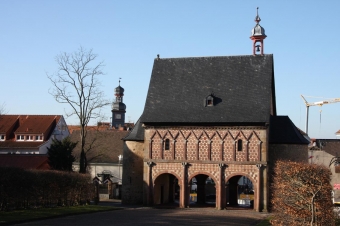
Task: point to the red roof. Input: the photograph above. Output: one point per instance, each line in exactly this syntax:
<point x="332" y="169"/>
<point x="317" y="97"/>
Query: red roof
<point x="7" y="122"/>
<point x="25" y="161"/>
<point x="36" y="124"/>
<point x="21" y="144"/>
<point x="12" y="125"/>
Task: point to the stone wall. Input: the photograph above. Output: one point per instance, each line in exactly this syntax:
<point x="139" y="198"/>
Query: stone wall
<point x="292" y="152"/>
<point x="132" y="188"/>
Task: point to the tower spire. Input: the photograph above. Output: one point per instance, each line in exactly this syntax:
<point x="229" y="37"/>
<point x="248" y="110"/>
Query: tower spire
<point x="257" y="18"/>
<point x="258" y="35"/>
<point x="118" y="108"/>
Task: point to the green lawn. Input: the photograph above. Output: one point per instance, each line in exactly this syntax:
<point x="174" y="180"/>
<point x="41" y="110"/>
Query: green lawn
<point x="33" y="214"/>
<point x="265" y="222"/>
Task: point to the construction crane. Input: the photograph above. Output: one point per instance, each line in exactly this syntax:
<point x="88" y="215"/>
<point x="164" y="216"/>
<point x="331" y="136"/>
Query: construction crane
<point x="318" y="103"/>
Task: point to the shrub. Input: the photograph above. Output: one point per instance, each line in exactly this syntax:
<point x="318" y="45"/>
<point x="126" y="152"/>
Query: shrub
<point x="301" y="194"/>
<point x="33" y="188"/>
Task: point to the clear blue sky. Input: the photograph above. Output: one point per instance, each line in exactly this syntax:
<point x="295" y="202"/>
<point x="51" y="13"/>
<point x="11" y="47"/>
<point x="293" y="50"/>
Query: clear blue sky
<point x="127" y="35"/>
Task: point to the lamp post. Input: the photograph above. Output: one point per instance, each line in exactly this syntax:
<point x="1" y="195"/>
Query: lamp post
<point x="120" y="158"/>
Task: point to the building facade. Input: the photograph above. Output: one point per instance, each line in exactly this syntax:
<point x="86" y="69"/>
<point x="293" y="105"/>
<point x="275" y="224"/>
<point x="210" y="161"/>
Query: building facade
<point x="209" y="121"/>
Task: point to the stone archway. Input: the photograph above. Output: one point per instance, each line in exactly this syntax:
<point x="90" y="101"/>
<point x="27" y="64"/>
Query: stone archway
<point x="166" y="189"/>
<point x="203" y="188"/>
<point x="240" y="194"/>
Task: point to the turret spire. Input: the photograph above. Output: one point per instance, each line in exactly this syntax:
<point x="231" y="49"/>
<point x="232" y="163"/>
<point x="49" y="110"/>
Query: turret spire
<point x="257" y="35"/>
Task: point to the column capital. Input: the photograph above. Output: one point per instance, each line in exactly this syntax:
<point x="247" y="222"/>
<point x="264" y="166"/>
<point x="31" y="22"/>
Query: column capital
<point x="259" y="166"/>
<point x="150" y="164"/>
<point x="221" y="165"/>
<point x="184" y="164"/>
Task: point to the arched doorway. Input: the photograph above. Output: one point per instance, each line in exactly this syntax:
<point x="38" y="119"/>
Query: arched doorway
<point x="166" y="189"/>
<point x="202" y="191"/>
<point x="240" y="192"/>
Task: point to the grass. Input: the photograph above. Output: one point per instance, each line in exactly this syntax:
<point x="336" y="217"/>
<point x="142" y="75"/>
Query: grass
<point x="265" y="222"/>
<point x="44" y="213"/>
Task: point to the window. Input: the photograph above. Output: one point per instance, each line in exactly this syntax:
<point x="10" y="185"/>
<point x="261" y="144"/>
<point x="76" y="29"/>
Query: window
<point x="38" y="137"/>
<point x="239" y="145"/>
<point x="209" y="101"/>
<point x="29" y="137"/>
<point x="118" y="116"/>
<point x="2" y="137"/>
<point x="20" y="137"/>
<point x="167" y="144"/>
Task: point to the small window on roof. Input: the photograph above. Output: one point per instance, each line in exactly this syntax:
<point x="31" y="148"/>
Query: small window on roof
<point x="209" y="101"/>
<point x="2" y="137"/>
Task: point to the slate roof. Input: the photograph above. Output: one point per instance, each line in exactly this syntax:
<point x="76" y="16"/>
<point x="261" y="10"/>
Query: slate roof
<point x="283" y="131"/>
<point x="331" y="146"/>
<point x="107" y="145"/>
<point x="136" y="134"/>
<point x="243" y="88"/>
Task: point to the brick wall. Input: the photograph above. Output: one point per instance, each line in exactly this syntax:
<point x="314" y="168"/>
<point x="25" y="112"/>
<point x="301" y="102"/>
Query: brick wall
<point x="207" y="144"/>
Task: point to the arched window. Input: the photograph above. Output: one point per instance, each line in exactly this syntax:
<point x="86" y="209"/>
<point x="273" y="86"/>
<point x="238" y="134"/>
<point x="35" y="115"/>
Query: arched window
<point x="167" y="144"/>
<point x="239" y="145"/>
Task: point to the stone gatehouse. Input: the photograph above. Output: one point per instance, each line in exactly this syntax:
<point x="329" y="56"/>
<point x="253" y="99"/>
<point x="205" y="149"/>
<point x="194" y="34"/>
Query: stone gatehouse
<point x="210" y="122"/>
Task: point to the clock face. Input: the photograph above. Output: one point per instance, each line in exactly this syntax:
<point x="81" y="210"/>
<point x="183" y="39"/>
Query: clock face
<point x="118" y="116"/>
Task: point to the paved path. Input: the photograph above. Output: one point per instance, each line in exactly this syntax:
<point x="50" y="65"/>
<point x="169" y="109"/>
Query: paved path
<point x="136" y="216"/>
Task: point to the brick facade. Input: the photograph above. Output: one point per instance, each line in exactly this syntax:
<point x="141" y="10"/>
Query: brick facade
<point x="217" y="152"/>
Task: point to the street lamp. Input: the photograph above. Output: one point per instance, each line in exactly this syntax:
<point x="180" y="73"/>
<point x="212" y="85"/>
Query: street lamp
<point x="120" y="158"/>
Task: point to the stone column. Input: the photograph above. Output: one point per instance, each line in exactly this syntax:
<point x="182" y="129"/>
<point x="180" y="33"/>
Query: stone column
<point x="221" y="151"/>
<point x="257" y="204"/>
<point x="220" y="204"/>
<point x="173" y="150"/>
<point x="247" y="150"/>
<point x="259" y="150"/>
<point x="150" y="149"/>
<point x="185" y="149"/>
<point x="209" y="149"/>
<point x="234" y="151"/>
<point x="162" y="149"/>
<point x="197" y="150"/>
<point x="184" y="195"/>
<point x="150" y="185"/>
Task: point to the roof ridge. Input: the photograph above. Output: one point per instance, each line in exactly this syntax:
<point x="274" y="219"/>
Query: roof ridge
<point x="209" y="57"/>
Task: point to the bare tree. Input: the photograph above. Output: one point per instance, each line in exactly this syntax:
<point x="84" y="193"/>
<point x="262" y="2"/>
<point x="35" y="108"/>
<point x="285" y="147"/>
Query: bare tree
<point x="76" y="84"/>
<point x="3" y="110"/>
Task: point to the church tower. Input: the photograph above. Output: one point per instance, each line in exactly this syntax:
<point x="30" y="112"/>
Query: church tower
<point x="257" y="35"/>
<point x="118" y="108"/>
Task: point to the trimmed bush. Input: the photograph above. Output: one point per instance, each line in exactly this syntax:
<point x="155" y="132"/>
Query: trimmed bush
<point x="301" y="194"/>
<point x="21" y="188"/>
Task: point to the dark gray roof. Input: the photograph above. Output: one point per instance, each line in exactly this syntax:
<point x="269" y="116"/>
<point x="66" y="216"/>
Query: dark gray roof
<point x="242" y="87"/>
<point x="136" y="134"/>
<point x="107" y="145"/>
<point x="283" y="131"/>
